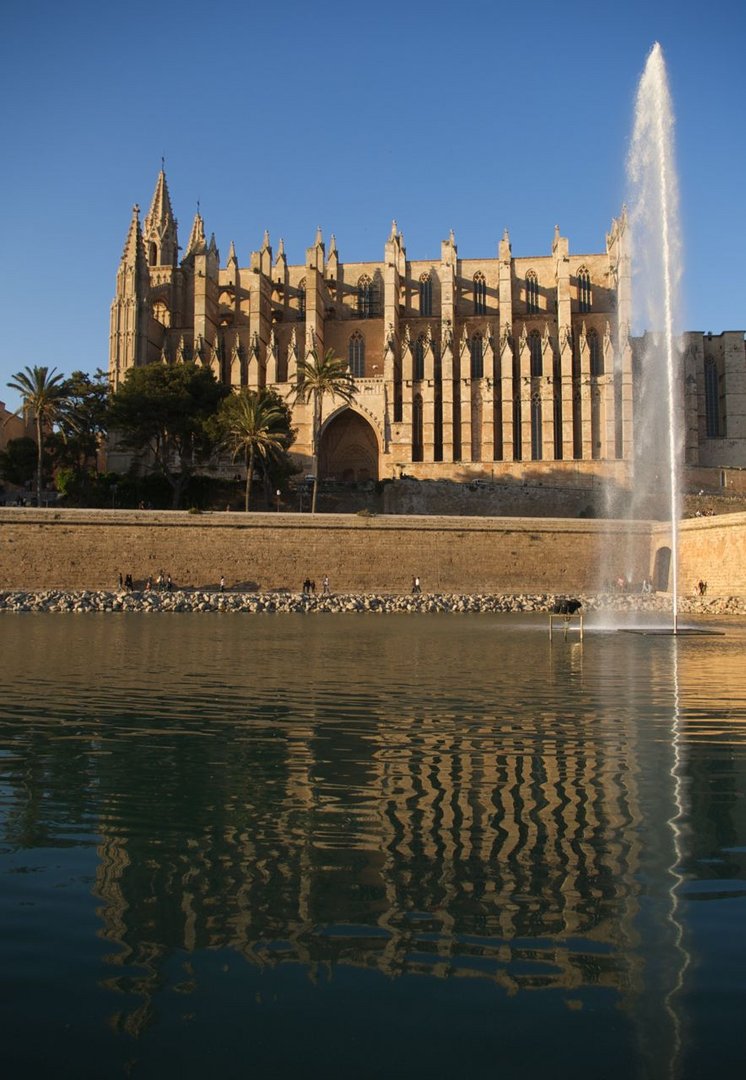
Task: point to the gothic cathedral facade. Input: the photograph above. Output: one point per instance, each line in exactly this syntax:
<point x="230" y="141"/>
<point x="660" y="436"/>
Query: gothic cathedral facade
<point x="464" y="368"/>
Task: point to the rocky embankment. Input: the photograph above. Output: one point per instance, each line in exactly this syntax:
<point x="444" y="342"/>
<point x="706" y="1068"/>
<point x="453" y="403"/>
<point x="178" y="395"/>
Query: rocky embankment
<point x="192" y="600"/>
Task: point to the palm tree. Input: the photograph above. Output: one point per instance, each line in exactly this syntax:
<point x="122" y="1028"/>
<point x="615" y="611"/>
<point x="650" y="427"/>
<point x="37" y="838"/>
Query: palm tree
<point x="43" y="396"/>
<point x="254" y="422"/>
<point x="317" y="378"/>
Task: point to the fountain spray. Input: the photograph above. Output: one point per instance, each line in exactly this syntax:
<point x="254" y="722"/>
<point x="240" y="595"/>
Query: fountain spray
<point x="656" y="253"/>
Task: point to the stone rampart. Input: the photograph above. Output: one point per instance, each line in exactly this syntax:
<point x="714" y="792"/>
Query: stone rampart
<point x="88" y="549"/>
<point x="711" y="549"/>
<point x="82" y="549"/>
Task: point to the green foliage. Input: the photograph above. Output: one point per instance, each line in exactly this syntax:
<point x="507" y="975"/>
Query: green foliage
<point x="66" y="481"/>
<point x="165" y="410"/>
<point x="320" y="377"/>
<point x="18" y="461"/>
<point x="44" y="397"/>
<point x="83" y="423"/>
<point x="255" y="425"/>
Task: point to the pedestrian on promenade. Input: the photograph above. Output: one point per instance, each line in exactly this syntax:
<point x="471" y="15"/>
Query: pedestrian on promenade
<point x="222" y="584"/>
<point x="416" y="588"/>
<point x="326" y="585"/>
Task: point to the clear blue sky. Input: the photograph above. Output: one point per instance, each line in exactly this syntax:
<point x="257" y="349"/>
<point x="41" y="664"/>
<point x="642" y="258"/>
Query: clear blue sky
<point x="287" y="116"/>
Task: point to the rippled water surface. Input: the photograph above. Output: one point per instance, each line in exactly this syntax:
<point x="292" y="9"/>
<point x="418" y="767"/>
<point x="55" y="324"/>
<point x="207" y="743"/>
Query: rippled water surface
<point x="370" y="846"/>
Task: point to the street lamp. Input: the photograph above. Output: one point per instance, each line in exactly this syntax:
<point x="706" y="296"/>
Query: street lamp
<point x="277" y="495"/>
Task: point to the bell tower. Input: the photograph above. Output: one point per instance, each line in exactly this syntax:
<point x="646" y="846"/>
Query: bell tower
<point x="128" y="334"/>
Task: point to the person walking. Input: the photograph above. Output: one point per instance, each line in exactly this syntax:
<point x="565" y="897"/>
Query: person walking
<point x="416" y="588"/>
<point x="325" y="585"/>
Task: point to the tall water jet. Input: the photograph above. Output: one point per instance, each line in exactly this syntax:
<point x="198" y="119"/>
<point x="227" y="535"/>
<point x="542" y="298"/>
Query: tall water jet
<point x="657" y="260"/>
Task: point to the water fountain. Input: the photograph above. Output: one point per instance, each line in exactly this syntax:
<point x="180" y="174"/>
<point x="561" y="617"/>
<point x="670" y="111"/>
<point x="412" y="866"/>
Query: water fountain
<point x="656" y="257"/>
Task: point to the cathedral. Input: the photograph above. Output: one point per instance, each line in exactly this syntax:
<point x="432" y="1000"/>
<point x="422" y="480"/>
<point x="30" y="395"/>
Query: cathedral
<point x="464" y="368"/>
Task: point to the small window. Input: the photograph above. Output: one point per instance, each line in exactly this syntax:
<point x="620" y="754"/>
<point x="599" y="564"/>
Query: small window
<point x="356" y="355"/>
<point x="534" y="347"/>
<point x="584" y="290"/>
<point x="476" y="349"/>
<point x="419" y="357"/>
<point x="597" y="359"/>
<point x="426" y="296"/>
<point x="536" y="428"/>
<point x="301" y="298"/>
<point x="532" y="293"/>
<point x="417" y="428"/>
<point x="480" y="294"/>
<point x="712" y="400"/>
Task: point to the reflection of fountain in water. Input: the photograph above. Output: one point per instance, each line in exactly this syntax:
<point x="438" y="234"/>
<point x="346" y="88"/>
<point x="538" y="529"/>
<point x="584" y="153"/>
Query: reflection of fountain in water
<point x="675" y="823"/>
<point x="656" y="256"/>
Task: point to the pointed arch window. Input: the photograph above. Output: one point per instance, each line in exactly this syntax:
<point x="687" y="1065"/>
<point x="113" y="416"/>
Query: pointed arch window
<point x="536" y="432"/>
<point x="596" y="356"/>
<point x="532" y="293"/>
<point x="302" y="298"/>
<point x="365" y="297"/>
<point x="534" y="348"/>
<point x="712" y="400"/>
<point x="152" y="253"/>
<point x="557" y="419"/>
<point x="584" y="290"/>
<point x="417" y="428"/>
<point x="426" y="295"/>
<point x="356" y="355"/>
<point x="419" y="358"/>
<point x="480" y="294"/>
<point x="476" y="349"/>
<point x="161" y="313"/>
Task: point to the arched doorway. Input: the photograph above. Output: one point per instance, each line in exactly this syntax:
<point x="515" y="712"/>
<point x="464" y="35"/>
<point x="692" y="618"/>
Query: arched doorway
<point x="662" y="569"/>
<point x="348" y="449"/>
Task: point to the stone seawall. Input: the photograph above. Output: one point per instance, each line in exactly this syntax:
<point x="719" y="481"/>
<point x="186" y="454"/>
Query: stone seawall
<point x="88" y="549"/>
<point x="197" y="600"/>
<point x="79" y="549"/>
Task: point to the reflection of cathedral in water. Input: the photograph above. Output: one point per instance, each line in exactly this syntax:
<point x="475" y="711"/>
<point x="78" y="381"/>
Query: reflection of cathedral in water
<point x="418" y="849"/>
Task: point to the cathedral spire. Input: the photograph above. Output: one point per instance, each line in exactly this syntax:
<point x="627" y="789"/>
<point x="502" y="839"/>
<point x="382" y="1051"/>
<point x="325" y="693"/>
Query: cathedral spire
<point x="196" y="244"/>
<point x="133" y="246"/>
<point x="159" y="232"/>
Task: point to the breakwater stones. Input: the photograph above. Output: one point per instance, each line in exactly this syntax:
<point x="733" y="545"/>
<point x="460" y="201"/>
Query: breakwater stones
<point x="195" y="600"/>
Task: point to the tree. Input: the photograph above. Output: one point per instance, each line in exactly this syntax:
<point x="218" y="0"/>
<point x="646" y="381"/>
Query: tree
<point x="43" y="396"/>
<point x="254" y="423"/>
<point x="164" y="409"/>
<point x="18" y="461"/>
<point x="319" y="377"/>
<point x="82" y="426"/>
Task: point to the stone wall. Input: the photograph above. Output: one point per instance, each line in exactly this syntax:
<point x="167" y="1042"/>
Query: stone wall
<point x="569" y="490"/>
<point x="711" y="549"/>
<point x="87" y="549"/>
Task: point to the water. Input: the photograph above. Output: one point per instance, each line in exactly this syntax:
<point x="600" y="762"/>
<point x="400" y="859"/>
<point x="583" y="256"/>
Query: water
<point x="657" y="259"/>
<point x="399" y="846"/>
